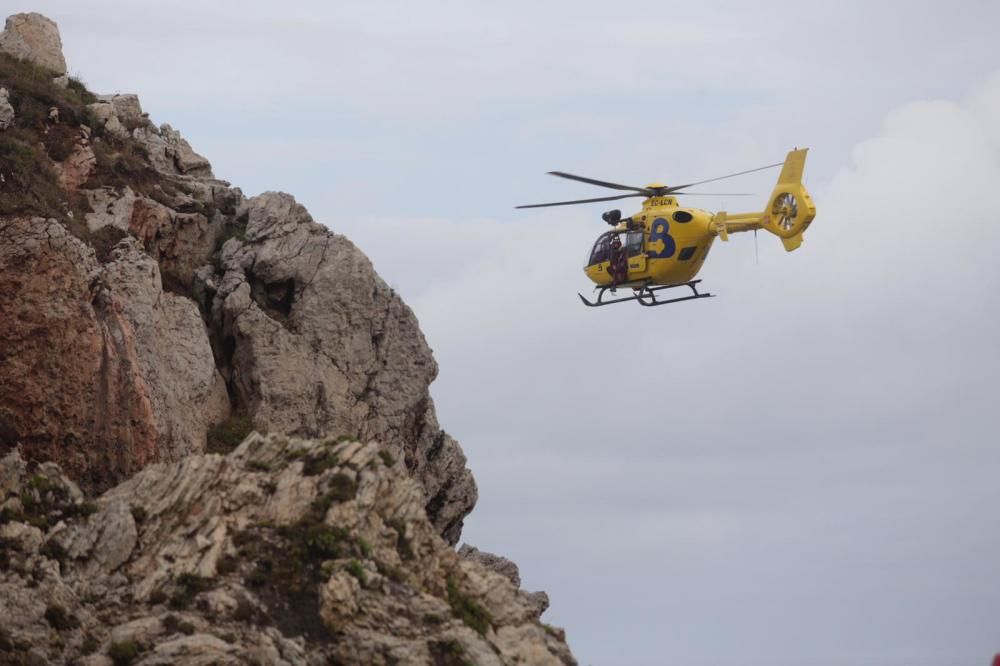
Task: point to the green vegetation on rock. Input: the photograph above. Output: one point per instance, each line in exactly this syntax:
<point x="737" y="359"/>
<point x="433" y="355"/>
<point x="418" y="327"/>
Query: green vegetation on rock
<point x="468" y="611"/>
<point x="123" y="653"/>
<point x="226" y="436"/>
<point x="30" y="147"/>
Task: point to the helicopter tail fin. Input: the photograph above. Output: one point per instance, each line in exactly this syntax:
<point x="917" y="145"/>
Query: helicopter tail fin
<point x="790" y="208"/>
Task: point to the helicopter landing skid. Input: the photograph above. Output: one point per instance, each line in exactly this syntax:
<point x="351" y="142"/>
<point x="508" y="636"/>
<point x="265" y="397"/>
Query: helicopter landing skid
<point x="646" y="295"/>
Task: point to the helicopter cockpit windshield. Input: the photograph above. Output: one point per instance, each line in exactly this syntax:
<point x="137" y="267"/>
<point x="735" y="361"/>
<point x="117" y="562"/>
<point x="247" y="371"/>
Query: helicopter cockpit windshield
<point x="601" y="251"/>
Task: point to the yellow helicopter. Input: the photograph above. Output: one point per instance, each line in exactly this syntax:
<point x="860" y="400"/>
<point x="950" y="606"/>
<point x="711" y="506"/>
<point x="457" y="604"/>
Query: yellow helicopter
<point x="666" y="243"/>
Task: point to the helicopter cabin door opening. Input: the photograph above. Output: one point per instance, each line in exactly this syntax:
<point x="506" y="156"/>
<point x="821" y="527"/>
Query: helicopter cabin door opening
<point x="636" y="257"/>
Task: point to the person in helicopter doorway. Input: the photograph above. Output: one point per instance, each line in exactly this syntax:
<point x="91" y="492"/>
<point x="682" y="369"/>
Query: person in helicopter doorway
<point x="618" y="268"/>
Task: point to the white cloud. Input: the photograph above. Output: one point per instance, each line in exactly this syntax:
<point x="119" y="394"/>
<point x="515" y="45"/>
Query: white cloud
<point x="818" y="437"/>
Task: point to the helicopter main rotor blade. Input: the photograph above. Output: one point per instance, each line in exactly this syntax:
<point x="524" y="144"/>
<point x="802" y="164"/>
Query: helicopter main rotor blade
<point x="580" y="201"/>
<point x="678" y="188"/>
<point x="718" y="194"/>
<point x="601" y="183"/>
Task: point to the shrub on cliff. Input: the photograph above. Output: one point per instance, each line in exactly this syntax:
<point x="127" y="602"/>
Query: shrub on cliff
<point x="226" y="436"/>
<point x="29" y="185"/>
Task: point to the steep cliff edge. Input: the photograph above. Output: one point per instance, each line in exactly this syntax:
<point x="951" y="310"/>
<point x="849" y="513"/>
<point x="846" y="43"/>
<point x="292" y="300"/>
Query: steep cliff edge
<point x="148" y="300"/>
<point x="152" y="317"/>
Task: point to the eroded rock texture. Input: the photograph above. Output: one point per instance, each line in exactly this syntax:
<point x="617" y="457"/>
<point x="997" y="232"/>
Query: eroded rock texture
<point x="101" y="369"/>
<point x="147" y="303"/>
<point x="162" y="301"/>
<point x="317" y="343"/>
<point x="285" y="551"/>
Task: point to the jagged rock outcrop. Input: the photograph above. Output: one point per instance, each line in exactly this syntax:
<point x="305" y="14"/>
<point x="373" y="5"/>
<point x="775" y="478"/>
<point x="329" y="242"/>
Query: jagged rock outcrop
<point x="497" y="563"/>
<point x="149" y="305"/>
<point x="285" y="551"/>
<point x="320" y="344"/>
<point x="35" y="38"/>
<point x="305" y="336"/>
<point x="506" y="568"/>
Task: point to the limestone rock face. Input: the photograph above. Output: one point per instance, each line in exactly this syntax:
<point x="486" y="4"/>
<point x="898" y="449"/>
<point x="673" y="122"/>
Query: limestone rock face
<point x="101" y="369"/>
<point x="285" y="322"/>
<point x="181" y="242"/>
<point x="323" y="346"/>
<point x="170" y="153"/>
<point x="6" y="110"/>
<point x="163" y="302"/>
<point x="106" y="113"/>
<point x="36" y="38"/>
<point x="286" y="551"/>
<point x="127" y="109"/>
<point x="506" y="568"/>
<point x="146" y="306"/>
<point x="68" y="360"/>
<point x="186" y="392"/>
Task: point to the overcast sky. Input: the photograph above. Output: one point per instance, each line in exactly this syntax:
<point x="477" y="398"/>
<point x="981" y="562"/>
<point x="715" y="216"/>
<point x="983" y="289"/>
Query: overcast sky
<point x="804" y="470"/>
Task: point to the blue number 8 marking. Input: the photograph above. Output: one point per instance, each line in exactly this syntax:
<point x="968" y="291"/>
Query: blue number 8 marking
<point x="659" y="232"/>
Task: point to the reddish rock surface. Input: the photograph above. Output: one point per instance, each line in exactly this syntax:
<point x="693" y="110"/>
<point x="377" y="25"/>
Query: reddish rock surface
<point x="70" y="388"/>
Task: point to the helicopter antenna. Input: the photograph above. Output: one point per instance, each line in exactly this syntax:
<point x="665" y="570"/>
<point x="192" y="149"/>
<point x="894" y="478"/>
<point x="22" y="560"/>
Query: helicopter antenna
<point x="756" y="252"/>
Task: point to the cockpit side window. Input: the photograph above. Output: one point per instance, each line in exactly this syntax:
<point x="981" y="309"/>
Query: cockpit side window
<point x="600" y="251"/>
<point x="634" y="243"/>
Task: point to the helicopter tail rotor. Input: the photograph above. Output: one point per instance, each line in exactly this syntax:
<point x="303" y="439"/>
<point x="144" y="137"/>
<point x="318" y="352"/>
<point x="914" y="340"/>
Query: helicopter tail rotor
<point x="790" y="208"/>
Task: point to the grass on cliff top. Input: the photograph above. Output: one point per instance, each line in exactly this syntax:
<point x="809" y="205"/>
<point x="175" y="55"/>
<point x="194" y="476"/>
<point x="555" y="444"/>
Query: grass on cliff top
<point x="29" y="185"/>
<point x="33" y="93"/>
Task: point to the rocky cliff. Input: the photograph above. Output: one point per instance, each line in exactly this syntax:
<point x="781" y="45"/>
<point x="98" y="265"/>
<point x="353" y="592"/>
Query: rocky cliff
<point x="148" y="301"/>
<point x="285" y="551"/>
<point x="152" y="313"/>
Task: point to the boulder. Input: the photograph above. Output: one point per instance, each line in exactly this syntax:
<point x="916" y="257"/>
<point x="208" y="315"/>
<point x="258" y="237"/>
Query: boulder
<point x="105" y="114"/>
<point x="35" y="38"/>
<point x="126" y="108"/>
